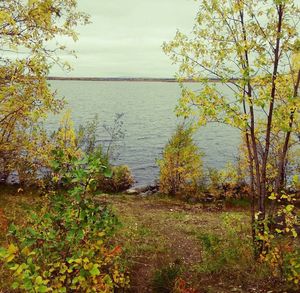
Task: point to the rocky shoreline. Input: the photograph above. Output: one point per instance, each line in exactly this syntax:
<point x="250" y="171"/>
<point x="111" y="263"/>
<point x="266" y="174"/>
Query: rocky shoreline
<point x="143" y="191"/>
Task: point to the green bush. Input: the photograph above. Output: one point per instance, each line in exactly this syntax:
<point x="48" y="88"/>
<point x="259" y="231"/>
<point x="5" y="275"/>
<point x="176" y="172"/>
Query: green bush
<point x="120" y="180"/>
<point x="65" y="247"/>
<point x="181" y="165"/>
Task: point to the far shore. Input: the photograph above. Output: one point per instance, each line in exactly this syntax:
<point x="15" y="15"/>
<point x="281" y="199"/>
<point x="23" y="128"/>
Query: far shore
<point x="128" y="79"/>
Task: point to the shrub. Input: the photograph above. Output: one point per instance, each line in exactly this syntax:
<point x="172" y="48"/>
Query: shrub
<point x="84" y="140"/>
<point x="120" y="180"/>
<point x="181" y="165"/>
<point x="229" y="183"/>
<point x="164" y="280"/>
<point x="169" y="280"/>
<point x="281" y="251"/>
<point x="65" y="247"/>
<point x="181" y="286"/>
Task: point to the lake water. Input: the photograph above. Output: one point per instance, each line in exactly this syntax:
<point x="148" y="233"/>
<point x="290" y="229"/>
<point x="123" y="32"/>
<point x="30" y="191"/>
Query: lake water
<point x="149" y="120"/>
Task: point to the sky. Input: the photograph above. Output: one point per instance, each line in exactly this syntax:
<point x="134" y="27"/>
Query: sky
<point x="125" y="37"/>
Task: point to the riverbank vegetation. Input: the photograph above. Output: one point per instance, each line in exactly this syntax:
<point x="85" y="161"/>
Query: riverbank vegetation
<point x="227" y="230"/>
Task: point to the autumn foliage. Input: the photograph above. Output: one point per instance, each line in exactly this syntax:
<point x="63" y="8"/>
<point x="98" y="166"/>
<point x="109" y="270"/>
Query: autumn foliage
<point x="25" y="96"/>
<point x="65" y="246"/>
<point x="181" y="165"/>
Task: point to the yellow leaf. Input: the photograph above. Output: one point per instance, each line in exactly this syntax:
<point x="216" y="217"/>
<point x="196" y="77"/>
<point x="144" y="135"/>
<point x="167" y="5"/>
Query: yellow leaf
<point x="85" y="260"/>
<point x="78" y="260"/>
<point x="39" y="280"/>
<point x="25" y="251"/>
<point x="294" y="233"/>
<point x="101" y="234"/>
<point x="12" y="249"/>
<point x="10" y="258"/>
<point x="5" y="17"/>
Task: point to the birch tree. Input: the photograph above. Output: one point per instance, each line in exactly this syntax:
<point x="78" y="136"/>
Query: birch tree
<point x="252" y="48"/>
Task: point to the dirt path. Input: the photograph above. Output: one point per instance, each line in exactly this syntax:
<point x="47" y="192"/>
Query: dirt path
<point x="157" y="232"/>
<point x="156" y="239"/>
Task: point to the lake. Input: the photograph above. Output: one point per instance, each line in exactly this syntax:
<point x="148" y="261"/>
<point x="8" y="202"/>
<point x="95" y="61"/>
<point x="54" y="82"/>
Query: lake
<point x="149" y="121"/>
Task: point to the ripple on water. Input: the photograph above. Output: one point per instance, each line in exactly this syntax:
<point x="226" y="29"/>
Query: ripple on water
<point x="149" y="121"/>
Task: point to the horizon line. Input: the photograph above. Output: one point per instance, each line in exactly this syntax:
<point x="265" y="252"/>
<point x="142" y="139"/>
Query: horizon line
<point x="149" y="79"/>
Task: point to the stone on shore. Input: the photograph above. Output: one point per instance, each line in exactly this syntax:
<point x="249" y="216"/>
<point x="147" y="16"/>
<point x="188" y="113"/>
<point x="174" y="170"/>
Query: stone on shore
<point x="143" y="191"/>
<point x="132" y="191"/>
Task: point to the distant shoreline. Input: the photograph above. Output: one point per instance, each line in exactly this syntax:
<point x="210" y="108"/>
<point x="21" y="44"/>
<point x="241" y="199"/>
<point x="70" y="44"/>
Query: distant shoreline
<point x="128" y="79"/>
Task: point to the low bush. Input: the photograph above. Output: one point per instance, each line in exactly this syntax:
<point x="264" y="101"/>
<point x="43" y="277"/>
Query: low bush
<point x="227" y="183"/>
<point x="181" y="165"/>
<point x="169" y="280"/>
<point x="164" y="280"/>
<point x="120" y="180"/>
<point x="65" y="247"/>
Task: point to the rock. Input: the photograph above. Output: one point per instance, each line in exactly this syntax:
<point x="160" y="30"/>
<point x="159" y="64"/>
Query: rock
<point x="152" y="188"/>
<point x="132" y="191"/>
<point x="143" y="191"/>
<point x="147" y="193"/>
<point x="208" y="198"/>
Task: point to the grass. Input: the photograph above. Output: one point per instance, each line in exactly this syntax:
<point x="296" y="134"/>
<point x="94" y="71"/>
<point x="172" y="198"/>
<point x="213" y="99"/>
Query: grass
<point x="158" y="232"/>
<point x="17" y="204"/>
<point x="211" y="245"/>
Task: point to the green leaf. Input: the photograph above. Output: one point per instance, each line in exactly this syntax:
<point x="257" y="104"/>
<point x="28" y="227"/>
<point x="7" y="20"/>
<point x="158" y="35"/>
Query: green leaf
<point x="95" y="271"/>
<point x="295" y="179"/>
<point x="55" y="165"/>
<point x="15" y="285"/>
<point x="43" y="289"/>
<point x="70" y="235"/>
<point x="27" y="284"/>
<point x="272" y="196"/>
<point x="80" y="235"/>
<point x="15" y="267"/>
<point x="3" y="252"/>
<point x="289" y="208"/>
<point x="108" y="172"/>
<point x="294" y="232"/>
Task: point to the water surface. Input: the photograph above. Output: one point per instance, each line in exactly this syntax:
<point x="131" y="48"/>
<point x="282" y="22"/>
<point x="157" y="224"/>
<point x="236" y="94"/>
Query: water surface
<point x="149" y="120"/>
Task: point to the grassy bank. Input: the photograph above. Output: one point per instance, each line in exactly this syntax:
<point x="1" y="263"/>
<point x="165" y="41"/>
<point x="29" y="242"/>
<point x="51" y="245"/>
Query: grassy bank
<point x="207" y="246"/>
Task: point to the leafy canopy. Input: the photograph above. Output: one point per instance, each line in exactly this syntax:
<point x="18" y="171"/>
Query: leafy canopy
<point x="29" y="48"/>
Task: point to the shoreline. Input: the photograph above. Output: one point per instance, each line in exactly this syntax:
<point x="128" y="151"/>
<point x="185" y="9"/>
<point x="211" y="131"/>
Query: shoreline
<point x="128" y="79"/>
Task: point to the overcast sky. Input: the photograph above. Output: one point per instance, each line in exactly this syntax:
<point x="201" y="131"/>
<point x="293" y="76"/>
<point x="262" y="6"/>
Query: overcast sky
<point x="125" y="37"/>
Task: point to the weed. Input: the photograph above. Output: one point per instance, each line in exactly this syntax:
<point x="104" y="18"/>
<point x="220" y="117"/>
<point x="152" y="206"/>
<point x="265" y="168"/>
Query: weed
<point x="230" y="252"/>
<point x="164" y="280"/>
